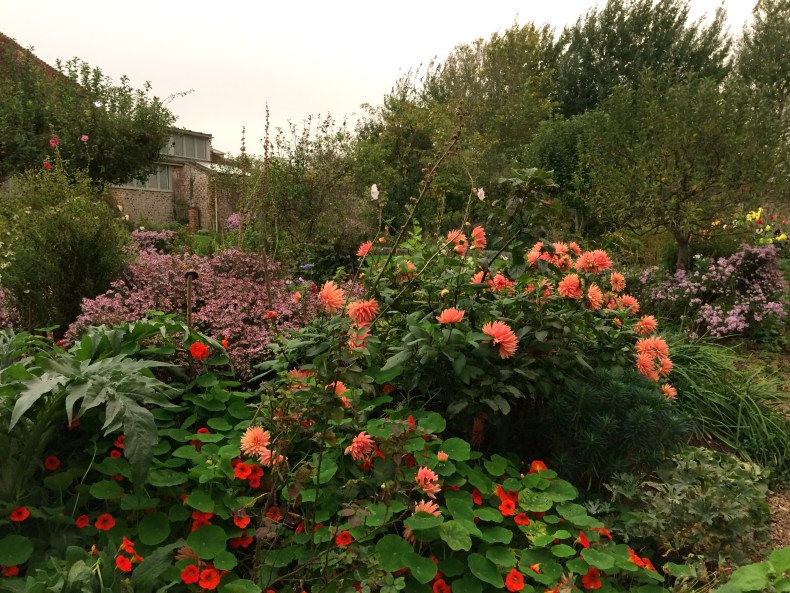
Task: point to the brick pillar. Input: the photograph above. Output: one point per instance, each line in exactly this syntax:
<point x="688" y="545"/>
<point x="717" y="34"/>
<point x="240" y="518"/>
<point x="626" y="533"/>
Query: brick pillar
<point x="194" y="219"/>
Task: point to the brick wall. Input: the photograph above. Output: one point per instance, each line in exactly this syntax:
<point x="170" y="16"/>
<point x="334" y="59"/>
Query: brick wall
<point x="150" y="205"/>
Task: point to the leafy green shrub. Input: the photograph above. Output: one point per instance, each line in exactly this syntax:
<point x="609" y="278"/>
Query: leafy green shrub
<point x="730" y="405"/>
<point x="705" y="503"/>
<point x="772" y="574"/>
<point x="607" y="424"/>
<point x="66" y="245"/>
<point x="288" y="489"/>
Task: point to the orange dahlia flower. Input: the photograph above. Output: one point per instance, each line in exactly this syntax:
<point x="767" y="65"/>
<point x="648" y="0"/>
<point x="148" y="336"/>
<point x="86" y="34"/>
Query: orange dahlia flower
<point x="504" y="339"/>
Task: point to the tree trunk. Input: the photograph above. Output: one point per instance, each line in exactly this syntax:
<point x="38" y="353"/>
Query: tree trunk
<point x="683" y="261"/>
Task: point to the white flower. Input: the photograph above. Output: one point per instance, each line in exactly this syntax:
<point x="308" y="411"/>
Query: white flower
<point x="481" y="194"/>
<point x="374" y="192"/>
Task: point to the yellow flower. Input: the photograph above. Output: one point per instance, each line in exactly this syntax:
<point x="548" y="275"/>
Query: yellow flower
<point x="782" y="237"/>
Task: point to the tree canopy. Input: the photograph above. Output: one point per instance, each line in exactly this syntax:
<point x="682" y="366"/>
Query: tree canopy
<point x="618" y="44"/>
<point x="114" y="132"/>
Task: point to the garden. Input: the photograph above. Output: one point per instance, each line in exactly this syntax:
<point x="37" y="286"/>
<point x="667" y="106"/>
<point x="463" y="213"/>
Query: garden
<point x="438" y="365"/>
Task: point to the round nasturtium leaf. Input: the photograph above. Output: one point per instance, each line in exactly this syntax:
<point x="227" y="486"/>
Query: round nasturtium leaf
<point x="106" y="489"/>
<point x="15" y="549"/>
<point x="207" y="541"/>
<point x="153" y="529"/>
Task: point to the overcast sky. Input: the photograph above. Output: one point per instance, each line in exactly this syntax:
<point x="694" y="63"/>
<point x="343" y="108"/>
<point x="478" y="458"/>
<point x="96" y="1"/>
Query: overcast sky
<point x="300" y="57"/>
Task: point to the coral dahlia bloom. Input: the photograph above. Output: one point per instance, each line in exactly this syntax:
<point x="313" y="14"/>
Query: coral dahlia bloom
<point x="645" y="364"/>
<point x="332" y="297"/>
<point x="617" y="281"/>
<point x="669" y="391"/>
<point x="428" y="481"/>
<point x="427" y="506"/>
<point x="628" y="302"/>
<point x="458" y="239"/>
<point x="593" y="261"/>
<point x="500" y="283"/>
<point x="594" y="297"/>
<point x="199" y="350"/>
<point x="339" y="387"/>
<point x="514" y="581"/>
<point x="451" y="315"/>
<point x="569" y="287"/>
<point x="655" y="347"/>
<point x="254" y="441"/>
<point x="646" y="326"/>
<point x="357" y="338"/>
<point x="361" y="446"/>
<point x="479" y="240"/>
<point x="19" y="514"/>
<point x="364" y="249"/>
<point x="477" y="278"/>
<point x="363" y="312"/>
<point x="504" y="340"/>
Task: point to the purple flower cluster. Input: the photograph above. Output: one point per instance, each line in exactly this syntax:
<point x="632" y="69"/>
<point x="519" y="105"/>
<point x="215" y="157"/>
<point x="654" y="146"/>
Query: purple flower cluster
<point x="230" y="300"/>
<point x="233" y="222"/>
<point x="153" y="240"/>
<point x="731" y="295"/>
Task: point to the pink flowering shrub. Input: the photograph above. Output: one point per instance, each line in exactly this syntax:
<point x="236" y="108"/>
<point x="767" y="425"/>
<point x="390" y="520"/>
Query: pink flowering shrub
<point x="9" y="316"/>
<point x="230" y="300"/>
<point x="153" y="240"/>
<point x="742" y="294"/>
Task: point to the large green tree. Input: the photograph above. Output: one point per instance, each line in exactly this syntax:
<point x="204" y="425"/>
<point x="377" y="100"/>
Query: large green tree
<point x="114" y="132"/>
<point x="678" y="158"/>
<point x="614" y="46"/>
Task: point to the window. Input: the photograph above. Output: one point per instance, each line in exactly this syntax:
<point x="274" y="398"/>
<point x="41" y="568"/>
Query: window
<point x="188" y="146"/>
<point x="156" y="181"/>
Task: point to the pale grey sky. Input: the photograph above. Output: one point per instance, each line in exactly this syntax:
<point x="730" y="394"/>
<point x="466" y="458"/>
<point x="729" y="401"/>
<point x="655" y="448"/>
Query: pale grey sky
<point x="302" y="57"/>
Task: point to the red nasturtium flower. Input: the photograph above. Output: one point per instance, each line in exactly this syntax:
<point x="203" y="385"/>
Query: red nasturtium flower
<point x="82" y="521"/>
<point x="209" y="578"/>
<point x="119" y="441"/>
<point x="507" y="508"/>
<point x="104" y="522"/>
<point x="10" y="571"/>
<point x="477" y="497"/>
<point x="591" y="580"/>
<point x="190" y="574"/>
<point x="242" y="471"/>
<point x="521" y="519"/>
<point x="225" y="342"/>
<point x="115" y="454"/>
<point x="343" y="538"/>
<point x="514" y="581"/>
<point x="52" y="463"/>
<point x="123" y="563"/>
<point x="19" y="514"/>
<point x="441" y="586"/>
<point x="537" y="466"/>
<point x="199" y="350"/>
<point x="274" y="514"/>
<point x="582" y="539"/>
<point x="241" y="521"/>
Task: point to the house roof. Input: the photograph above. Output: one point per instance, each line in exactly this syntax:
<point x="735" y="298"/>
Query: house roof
<point x="8" y="44"/>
